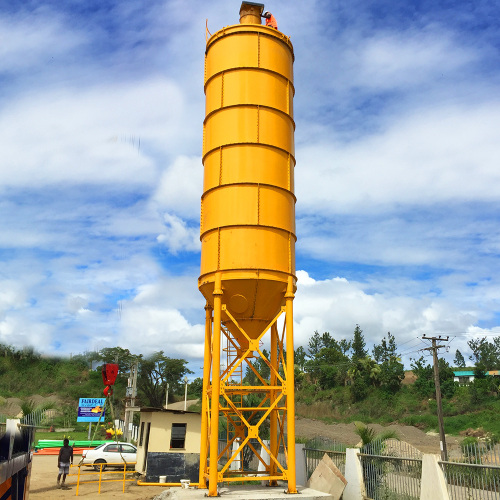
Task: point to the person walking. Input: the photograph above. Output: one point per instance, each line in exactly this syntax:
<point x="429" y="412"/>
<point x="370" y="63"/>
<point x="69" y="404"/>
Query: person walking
<point x="64" y="460"/>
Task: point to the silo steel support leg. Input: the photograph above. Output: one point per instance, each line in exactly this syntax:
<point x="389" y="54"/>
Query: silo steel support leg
<point x="204" y="401"/>
<point x="290" y="387"/>
<point x="273" y="419"/>
<point x="214" y="415"/>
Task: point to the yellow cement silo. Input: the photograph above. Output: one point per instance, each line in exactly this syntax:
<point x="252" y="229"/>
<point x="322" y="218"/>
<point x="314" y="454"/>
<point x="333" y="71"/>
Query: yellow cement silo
<point x="248" y="243"/>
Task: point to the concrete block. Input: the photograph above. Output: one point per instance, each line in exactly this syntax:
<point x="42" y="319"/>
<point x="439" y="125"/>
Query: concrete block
<point x="328" y="479"/>
<point x="433" y="485"/>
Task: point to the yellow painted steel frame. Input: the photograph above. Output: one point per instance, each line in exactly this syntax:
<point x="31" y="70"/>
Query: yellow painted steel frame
<point x="277" y="401"/>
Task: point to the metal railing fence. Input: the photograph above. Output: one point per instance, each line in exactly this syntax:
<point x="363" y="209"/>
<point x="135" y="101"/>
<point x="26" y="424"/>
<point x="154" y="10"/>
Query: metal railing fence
<point x="391" y="478"/>
<point x="473" y="472"/>
<point x="37" y="417"/>
<point x="315" y="449"/>
<point x="313" y="457"/>
<point x="391" y="470"/>
<point x="468" y="481"/>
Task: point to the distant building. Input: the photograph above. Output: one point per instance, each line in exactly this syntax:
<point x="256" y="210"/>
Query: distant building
<point x="169" y="445"/>
<point x="467" y="376"/>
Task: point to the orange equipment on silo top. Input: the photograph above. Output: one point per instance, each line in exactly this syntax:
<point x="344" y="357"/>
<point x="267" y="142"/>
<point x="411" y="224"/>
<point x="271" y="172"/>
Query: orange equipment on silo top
<point x="248" y="250"/>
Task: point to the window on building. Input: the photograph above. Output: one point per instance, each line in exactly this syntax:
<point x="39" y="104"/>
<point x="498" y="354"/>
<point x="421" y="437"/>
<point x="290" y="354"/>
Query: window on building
<point x="178" y="436"/>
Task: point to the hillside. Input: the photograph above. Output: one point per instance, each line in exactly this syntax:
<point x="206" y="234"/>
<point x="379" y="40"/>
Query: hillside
<point x="27" y="380"/>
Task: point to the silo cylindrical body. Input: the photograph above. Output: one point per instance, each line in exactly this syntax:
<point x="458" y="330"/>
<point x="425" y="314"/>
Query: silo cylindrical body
<point x="248" y="202"/>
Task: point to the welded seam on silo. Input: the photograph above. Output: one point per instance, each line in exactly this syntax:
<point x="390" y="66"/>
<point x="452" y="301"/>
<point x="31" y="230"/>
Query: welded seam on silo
<point x="289" y="175"/>
<point x="255" y="270"/>
<point x="246" y="225"/>
<point x="222" y="90"/>
<point x="250" y="183"/>
<point x="263" y="144"/>
<point x="240" y="68"/>
<point x="249" y="105"/>
<point x="258" y="118"/>
<point x="258" y="204"/>
<point x="220" y="170"/>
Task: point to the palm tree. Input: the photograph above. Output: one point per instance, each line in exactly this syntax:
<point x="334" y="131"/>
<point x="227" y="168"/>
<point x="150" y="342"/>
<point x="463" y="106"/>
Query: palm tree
<point x="373" y="444"/>
<point x="368" y="436"/>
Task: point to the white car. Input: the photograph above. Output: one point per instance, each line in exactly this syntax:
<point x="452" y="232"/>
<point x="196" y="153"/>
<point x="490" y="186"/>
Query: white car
<point x="110" y="453"/>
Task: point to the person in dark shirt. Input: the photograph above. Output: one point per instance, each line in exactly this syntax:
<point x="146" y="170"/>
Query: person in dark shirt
<point x="63" y="461"/>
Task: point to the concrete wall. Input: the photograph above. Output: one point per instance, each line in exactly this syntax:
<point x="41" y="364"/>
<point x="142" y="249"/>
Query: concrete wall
<point x="433" y="480"/>
<point x="175" y="466"/>
<point x="355" y="489"/>
<point x="161" y="426"/>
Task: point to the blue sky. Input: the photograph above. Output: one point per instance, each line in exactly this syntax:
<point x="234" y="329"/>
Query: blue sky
<point x="397" y="181"/>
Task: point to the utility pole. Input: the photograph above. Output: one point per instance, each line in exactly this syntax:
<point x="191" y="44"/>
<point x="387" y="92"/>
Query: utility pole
<point x="434" y="348"/>
<point x="130" y="401"/>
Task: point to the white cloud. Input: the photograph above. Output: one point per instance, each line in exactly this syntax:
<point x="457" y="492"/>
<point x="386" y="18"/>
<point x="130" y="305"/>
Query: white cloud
<point x="146" y="329"/>
<point x="104" y="134"/>
<point x="337" y="305"/>
<point x="435" y="155"/>
<point x="33" y="40"/>
<point x="24" y="333"/>
<point x="408" y="58"/>
<point x="180" y="187"/>
<point x="178" y="236"/>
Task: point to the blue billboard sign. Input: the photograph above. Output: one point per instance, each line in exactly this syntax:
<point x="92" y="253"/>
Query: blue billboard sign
<point x="89" y="409"/>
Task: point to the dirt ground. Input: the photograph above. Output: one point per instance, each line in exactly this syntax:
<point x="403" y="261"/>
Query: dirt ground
<point x="44" y="470"/>
<point x="43" y="484"/>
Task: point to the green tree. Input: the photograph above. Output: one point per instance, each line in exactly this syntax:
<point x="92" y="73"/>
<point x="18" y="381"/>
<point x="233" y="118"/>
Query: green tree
<point x="195" y="388"/>
<point x="345" y="346"/>
<point x="299" y="358"/>
<point x="315" y="345"/>
<point x="358" y="344"/>
<point x="329" y="367"/>
<point x="155" y="372"/>
<point x="424" y="372"/>
<point x="363" y="372"/>
<point x="392" y="374"/>
<point x="261" y="367"/>
<point x="459" y="360"/>
<point x="123" y="357"/>
<point x="385" y="350"/>
<point x="485" y="354"/>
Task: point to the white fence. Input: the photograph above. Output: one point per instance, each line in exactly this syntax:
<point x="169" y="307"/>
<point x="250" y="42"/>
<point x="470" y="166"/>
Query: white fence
<point x="133" y="429"/>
